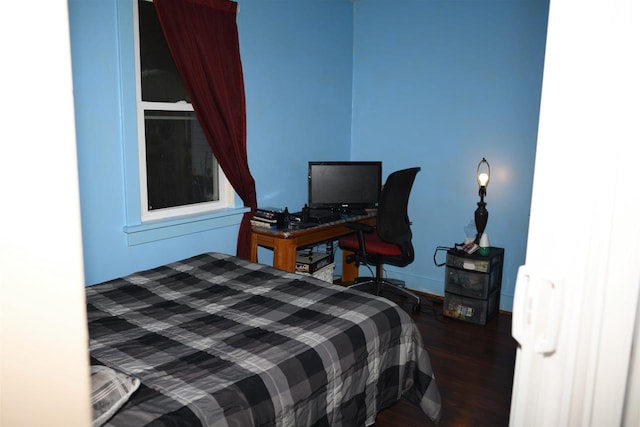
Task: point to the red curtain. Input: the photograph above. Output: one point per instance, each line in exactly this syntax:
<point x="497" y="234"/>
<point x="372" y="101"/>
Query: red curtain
<point x="202" y="36"/>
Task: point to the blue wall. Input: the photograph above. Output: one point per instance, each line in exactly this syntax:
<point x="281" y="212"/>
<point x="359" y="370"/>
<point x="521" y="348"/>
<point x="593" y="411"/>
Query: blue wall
<point x="441" y="84"/>
<point x="297" y="61"/>
<point x="436" y="84"/>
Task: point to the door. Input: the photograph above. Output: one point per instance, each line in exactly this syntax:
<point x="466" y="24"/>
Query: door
<point x="576" y="298"/>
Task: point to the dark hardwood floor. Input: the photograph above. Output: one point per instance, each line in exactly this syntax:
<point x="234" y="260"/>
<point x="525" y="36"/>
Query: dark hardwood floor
<point x="473" y="365"/>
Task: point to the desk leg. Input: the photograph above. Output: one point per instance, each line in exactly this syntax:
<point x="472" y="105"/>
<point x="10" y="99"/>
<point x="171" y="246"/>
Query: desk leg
<point x="284" y="255"/>
<point x="349" y="270"/>
<point x="253" y="250"/>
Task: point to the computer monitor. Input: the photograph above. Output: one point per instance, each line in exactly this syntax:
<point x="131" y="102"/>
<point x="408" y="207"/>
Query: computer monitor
<point x="344" y="186"/>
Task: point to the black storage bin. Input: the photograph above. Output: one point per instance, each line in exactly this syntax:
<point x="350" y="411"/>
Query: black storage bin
<point x="472" y="285"/>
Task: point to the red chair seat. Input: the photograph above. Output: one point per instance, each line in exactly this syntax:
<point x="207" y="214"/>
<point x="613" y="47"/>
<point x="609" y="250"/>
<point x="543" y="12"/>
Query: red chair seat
<point x="373" y="245"/>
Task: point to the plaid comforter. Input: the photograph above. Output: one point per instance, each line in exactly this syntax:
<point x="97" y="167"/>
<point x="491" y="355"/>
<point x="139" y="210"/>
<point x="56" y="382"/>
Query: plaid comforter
<point x="216" y="341"/>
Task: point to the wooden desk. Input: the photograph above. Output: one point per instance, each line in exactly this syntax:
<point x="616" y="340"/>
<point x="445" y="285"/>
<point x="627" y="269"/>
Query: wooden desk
<point x="285" y="243"/>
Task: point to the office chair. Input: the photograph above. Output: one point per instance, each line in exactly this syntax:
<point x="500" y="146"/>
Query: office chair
<point x="389" y="242"/>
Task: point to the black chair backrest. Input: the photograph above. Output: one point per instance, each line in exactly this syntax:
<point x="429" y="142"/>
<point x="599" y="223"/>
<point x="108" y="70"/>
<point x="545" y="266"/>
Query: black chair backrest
<point x="393" y="223"/>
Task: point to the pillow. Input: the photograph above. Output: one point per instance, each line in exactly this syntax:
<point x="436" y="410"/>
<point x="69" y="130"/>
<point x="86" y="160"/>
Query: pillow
<point x="109" y="391"/>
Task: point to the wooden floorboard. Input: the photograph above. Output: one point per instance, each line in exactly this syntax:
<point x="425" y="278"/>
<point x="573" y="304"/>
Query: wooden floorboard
<point x="473" y="365"/>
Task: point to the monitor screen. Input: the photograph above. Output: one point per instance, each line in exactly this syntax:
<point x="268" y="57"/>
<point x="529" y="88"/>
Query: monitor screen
<point x="344" y="185"/>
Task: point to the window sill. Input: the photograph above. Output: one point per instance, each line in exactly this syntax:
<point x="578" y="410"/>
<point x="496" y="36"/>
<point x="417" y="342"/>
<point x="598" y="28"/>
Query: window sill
<point x="165" y="229"/>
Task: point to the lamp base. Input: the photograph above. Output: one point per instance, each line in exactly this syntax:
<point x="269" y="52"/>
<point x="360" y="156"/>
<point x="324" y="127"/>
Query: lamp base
<point x="482" y="217"/>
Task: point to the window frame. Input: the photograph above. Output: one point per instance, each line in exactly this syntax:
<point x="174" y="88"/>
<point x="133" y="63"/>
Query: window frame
<point x="225" y="190"/>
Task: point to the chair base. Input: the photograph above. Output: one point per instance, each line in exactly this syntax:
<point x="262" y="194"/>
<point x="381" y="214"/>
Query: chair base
<point x="393" y="285"/>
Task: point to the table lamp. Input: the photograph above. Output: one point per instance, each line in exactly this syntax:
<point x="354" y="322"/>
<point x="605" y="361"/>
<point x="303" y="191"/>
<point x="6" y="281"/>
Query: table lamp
<point x="483" y="174"/>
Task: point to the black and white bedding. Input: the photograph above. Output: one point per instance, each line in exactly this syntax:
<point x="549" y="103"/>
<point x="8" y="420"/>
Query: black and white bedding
<point x="219" y="341"/>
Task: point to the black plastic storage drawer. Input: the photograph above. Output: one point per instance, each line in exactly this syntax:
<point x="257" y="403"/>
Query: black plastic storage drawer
<point x="471" y="283"/>
<point x="476" y="262"/>
<point x="471" y="310"/>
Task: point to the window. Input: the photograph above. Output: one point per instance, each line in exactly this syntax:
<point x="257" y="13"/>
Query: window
<point x="178" y="173"/>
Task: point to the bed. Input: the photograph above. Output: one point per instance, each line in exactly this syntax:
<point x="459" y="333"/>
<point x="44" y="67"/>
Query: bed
<point x="215" y="340"/>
